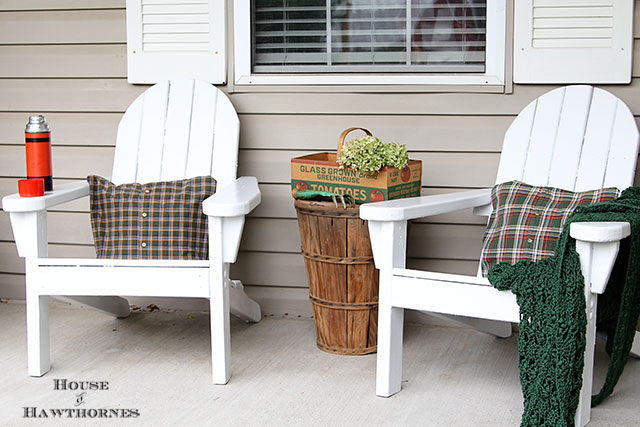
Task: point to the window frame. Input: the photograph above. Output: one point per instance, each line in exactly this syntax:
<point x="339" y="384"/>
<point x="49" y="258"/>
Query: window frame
<point x="495" y="72"/>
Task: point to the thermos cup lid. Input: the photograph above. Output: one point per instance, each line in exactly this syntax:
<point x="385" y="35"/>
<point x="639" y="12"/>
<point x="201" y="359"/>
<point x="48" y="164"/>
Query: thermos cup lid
<point x="37" y="124"/>
<point x="33" y="187"/>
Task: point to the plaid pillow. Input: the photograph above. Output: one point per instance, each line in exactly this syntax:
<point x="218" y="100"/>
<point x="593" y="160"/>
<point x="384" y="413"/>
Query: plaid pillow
<point x="161" y="220"/>
<point x="526" y="221"/>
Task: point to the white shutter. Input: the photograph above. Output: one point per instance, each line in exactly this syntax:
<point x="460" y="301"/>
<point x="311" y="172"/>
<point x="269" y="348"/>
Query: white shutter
<point x="573" y="41"/>
<point x="173" y="39"/>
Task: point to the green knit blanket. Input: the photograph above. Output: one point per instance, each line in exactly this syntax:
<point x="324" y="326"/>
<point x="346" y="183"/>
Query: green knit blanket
<point x="553" y="321"/>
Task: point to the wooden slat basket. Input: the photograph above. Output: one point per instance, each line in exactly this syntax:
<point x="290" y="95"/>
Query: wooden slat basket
<point x="343" y="281"/>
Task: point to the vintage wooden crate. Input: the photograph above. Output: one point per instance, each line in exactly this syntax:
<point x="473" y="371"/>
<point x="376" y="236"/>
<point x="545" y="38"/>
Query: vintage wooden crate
<point x="343" y="281"/>
<point x="321" y="172"/>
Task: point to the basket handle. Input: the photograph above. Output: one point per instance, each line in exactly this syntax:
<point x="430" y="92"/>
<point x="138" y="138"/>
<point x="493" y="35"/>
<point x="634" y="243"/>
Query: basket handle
<point x="344" y="134"/>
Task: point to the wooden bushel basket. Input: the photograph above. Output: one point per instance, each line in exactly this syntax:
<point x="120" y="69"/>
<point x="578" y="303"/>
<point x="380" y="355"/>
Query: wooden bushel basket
<point x="343" y="281"/>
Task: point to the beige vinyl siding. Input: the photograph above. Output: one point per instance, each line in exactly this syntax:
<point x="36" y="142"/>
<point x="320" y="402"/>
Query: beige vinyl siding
<point x="67" y="60"/>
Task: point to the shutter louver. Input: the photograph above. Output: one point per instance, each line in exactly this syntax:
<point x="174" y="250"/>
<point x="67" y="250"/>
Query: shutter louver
<point x="175" y="27"/>
<point x="337" y="36"/>
<point x="172" y="39"/>
<point x="573" y="41"/>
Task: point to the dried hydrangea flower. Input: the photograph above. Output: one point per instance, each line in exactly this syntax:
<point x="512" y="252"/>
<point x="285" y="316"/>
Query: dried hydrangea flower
<point x="368" y="155"/>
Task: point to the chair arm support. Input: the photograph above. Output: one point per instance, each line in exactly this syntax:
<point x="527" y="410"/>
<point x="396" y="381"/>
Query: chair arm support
<point x="236" y="199"/>
<point x="597" y="244"/>
<point x="419" y="207"/>
<point x="388" y="243"/>
<point x="226" y="210"/>
<point x="61" y="194"/>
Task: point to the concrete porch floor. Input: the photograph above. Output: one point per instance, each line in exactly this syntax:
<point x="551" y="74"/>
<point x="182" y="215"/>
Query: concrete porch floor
<point x="158" y="365"/>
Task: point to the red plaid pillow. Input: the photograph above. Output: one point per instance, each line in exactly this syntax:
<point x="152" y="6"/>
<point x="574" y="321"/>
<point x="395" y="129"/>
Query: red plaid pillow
<point x="159" y="220"/>
<point x="526" y="220"/>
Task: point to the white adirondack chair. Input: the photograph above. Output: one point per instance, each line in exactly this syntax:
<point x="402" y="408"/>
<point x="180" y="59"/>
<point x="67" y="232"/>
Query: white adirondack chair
<point x="577" y="138"/>
<point x="174" y="130"/>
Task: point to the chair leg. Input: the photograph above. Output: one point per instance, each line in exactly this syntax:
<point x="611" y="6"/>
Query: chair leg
<point x="389" y="358"/>
<point x="220" y="334"/>
<point x="583" y="413"/>
<point x="219" y="305"/>
<point x="38" y="351"/>
<point x="635" y="348"/>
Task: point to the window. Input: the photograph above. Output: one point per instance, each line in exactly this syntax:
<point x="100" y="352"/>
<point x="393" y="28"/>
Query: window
<point x="369" y="42"/>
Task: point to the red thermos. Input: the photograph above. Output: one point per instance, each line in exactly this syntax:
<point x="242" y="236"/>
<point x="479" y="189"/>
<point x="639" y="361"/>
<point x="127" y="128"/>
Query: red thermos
<point x="38" y="142"/>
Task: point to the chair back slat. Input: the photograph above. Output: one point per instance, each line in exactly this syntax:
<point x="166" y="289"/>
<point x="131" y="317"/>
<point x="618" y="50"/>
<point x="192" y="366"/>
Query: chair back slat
<point x="597" y="142"/>
<point x="227" y="132"/>
<point x="125" y="160"/>
<point x="519" y="130"/>
<point x="570" y="135"/>
<point x="620" y="155"/>
<point x="542" y="139"/>
<point x="175" y="130"/>
<point x="577" y="138"/>
<point x="150" y="137"/>
<point x="177" y="126"/>
<point x="200" y="155"/>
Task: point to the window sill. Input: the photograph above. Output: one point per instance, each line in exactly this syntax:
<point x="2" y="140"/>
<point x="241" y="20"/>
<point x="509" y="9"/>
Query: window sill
<point x="367" y="83"/>
<point x="390" y="88"/>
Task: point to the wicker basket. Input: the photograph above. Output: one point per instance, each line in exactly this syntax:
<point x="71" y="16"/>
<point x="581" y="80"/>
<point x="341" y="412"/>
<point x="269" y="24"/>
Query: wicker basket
<point x="343" y="281"/>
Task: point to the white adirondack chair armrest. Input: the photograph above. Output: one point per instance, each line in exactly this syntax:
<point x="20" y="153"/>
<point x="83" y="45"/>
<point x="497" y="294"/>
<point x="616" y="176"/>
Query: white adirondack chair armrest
<point x="236" y="199"/>
<point x="599" y="232"/>
<point x="61" y="194"/>
<point x="419" y="207"/>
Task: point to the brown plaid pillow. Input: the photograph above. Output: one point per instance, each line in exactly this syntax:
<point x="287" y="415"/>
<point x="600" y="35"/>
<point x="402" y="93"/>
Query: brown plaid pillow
<point x="526" y="221"/>
<point x="161" y="220"/>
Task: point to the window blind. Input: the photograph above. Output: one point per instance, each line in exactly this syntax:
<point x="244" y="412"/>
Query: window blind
<point x="440" y="36"/>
